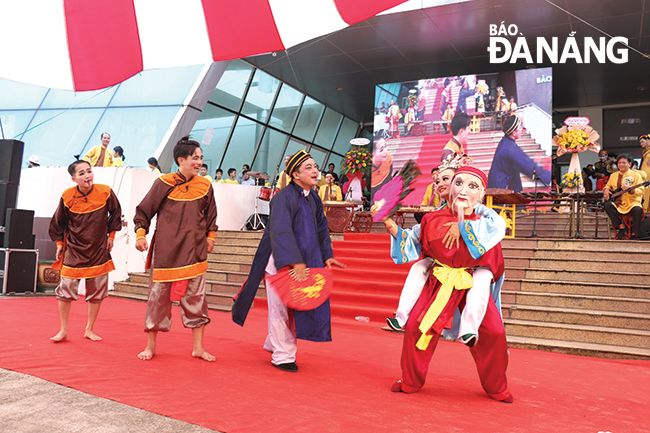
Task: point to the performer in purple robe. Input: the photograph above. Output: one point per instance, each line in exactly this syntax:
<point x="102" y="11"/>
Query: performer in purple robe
<point x="510" y="160"/>
<point x="296" y="237"/>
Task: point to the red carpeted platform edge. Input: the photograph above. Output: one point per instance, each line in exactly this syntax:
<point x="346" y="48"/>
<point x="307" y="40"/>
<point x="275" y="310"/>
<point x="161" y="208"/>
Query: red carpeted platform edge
<point x="371" y="284"/>
<point x="342" y="386"/>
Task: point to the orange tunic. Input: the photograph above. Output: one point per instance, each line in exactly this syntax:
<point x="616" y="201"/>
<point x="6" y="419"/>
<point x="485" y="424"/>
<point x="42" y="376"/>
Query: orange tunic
<point x="82" y="224"/>
<point x="186" y="216"/>
<point x="382" y="171"/>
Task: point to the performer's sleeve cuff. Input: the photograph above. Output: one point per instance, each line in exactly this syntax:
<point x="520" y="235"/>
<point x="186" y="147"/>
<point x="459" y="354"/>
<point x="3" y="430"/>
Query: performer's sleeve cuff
<point x="140" y="234"/>
<point x="59" y="243"/>
<point x="212" y="236"/>
<point x="111" y="235"/>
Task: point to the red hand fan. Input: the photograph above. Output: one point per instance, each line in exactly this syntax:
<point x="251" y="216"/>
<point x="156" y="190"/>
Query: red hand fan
<point x="303" y="295"/>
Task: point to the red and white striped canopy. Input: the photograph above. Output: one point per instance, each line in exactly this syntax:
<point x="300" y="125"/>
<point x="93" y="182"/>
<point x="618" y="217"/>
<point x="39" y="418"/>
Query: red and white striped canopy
<point x="93" y="44"/>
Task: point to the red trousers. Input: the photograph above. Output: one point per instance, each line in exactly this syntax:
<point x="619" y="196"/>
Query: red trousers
<point x="490" y="353"/>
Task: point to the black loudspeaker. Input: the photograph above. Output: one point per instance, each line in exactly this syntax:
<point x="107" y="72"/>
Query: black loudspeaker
<point x="21" y="272"/>
<point x="8" y="197"/>
<point x="19" y="227"/>
<point x="11" y="160"/>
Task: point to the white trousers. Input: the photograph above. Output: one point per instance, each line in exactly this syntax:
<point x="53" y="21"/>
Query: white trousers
<point x="476" y="300"/>
<point x="413" y="286"/>
<point x="281" y="340"/>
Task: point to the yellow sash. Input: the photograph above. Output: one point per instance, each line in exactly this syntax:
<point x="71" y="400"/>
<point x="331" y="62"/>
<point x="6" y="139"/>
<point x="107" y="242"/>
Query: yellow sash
<point x="451" y="279"/>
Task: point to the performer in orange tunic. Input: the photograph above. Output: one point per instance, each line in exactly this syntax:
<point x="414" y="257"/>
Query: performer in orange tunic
<point x="382" y="163"/>
<point x="185" y="233"/>
<point x="446" y="290"/>
<point x="84" y="227"/>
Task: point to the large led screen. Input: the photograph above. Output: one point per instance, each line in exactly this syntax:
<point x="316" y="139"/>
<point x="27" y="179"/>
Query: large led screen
<point x="414" y="121"/>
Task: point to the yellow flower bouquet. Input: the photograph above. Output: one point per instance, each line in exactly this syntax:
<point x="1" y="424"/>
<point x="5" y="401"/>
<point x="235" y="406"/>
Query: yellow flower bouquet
<point x="576" y="139"/>
<point x="571" y="180"/>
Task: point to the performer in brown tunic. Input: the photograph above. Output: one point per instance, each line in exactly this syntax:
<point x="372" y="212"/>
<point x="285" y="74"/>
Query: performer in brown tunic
<point x="83" y="228"/>
<point x="185" y="234"/>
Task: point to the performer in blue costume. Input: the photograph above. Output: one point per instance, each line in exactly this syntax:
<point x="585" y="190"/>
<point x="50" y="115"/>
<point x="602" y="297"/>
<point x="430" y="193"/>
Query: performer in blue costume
<point x="510" y="160"/>
<point x="296" y="237"/>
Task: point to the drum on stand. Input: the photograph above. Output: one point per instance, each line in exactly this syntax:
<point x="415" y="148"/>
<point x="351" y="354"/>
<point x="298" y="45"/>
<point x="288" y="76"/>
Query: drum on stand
<point x="267" y="193"/>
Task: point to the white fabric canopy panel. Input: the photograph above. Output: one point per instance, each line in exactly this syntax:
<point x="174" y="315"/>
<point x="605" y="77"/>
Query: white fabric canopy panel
<point x="87" y="45"/>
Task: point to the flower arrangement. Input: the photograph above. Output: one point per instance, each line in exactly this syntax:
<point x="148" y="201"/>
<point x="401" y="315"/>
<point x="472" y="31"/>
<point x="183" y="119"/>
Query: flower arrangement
<point x="358" y="159"/>
<point x="571" y="180"/>
<point x="576" y="139"/>
<point x="412" y="100"/>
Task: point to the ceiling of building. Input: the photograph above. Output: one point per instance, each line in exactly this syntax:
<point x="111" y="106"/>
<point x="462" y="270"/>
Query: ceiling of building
<point x="342" y="69"/>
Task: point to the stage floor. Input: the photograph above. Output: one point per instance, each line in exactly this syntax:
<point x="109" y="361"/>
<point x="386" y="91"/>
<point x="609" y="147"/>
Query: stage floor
<point x="342" y="386"/>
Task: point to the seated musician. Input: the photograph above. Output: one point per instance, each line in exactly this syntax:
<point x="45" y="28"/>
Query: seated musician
<point x="409" y="120"/>
<point x="629" y="203"/>
<point x="330" y="191"/>
<point x="431" y="196"/>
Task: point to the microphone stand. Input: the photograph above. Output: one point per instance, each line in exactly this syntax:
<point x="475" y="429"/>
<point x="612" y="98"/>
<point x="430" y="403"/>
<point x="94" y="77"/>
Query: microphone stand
<point x="577" y="210"/>
<point x="534" y="233"/>
<point x="276" y="175"/>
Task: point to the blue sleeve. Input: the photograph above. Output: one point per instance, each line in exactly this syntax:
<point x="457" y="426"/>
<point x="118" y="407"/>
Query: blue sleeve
<point x="324" y="239"/>
<point x="283" y="242"/>
<point x="406" y="246"/>
<point x="483" y="234"/>
<point x="525" y="165"/>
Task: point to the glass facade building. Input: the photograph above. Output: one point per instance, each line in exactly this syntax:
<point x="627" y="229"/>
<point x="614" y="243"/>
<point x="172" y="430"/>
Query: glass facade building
<point x="253" y="118"/>
<point x="56" y="124"/>
<point x="250" y="118"/>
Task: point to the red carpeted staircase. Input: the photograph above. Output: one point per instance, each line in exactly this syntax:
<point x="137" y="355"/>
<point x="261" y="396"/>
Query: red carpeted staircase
<point x="371" y="284"/>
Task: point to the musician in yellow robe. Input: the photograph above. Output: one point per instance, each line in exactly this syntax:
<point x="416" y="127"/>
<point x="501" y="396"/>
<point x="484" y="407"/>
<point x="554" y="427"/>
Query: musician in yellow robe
<point x="629" y="202"/>
<point x="330" y="191"/>
<point x="431" y="198"/>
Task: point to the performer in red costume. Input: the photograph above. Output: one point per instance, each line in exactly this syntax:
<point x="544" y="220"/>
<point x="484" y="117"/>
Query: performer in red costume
<point x="445" y="290"/>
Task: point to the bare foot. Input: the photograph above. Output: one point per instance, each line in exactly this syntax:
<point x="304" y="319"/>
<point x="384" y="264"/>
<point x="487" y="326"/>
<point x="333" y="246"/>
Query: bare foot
<point x="62" y="335"/>
<point x="147" y="353"/>
<point x="92" y="336"/>
<point x="203" y="354"/>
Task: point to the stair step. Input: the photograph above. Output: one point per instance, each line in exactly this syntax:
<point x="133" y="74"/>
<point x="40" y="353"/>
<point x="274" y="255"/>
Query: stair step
<point x="579" y="317"/>
<point x="576" y="288"/>
<point x="237" y="241"/>
<point x="596" y="245"/>
<point x="143" y="298"/>
<point x="579" y="333"/>
<point x="243" y="257"/>
<point x="590" y="255"/>
<point x="240" y="233"/>
<point x="578" y="348"/>
<point x="229" y="266"/>
<point x="599" y="266"/>
<point x="611" y="276"/>
<point x="600" y="303"/>
<point x="212" y="276"/>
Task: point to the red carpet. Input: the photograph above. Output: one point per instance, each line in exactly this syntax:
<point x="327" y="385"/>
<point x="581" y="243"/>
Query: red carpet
<point x="371" y="284"/>
<point x="342" y="386"/>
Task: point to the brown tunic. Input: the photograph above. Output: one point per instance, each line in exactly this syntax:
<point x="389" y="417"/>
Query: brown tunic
<point x="187" y="216"/>
<point x="82" y="224"/>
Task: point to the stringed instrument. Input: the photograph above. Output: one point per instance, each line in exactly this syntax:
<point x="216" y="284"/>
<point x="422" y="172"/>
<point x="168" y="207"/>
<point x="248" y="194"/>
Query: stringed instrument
<point x="619" y="191"/>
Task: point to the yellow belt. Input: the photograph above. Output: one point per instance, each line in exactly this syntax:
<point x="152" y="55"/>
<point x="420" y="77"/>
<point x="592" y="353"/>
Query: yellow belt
<point x="451" y="279"/>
